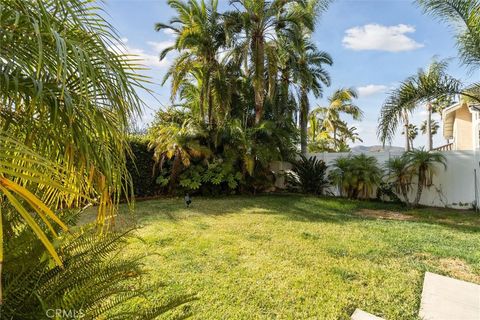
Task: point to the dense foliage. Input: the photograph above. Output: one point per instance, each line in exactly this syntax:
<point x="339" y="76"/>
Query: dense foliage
<point x="142" y="168"/>
<point x="68" y="93"/>
<point x="309" y="175"/>
<point x="356" y="177"/>
<point x="94" y="282"/>
<point x="240" y="87"/>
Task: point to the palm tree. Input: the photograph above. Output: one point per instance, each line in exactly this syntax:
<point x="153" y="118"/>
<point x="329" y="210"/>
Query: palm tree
<point x="423" y="163"/>
<point x="462" y="15"/>
<point x="400" y="173"/>
<point x="255" y="23"/>
<point x="310" y="75"/>
<point x="411" y="134"/>
<point x="357" y="176"/>
<point x="200" y="37"/>
<point x="346" y="135"/>
<point x="424" y="87"/>
<point x="341" y="101"/>
<point x="179" y="142"/>
<point x="433" y="129"/>
<point x="67" y="97"/>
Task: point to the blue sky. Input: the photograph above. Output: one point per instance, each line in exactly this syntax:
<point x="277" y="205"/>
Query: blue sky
<point x="374" y="45"/>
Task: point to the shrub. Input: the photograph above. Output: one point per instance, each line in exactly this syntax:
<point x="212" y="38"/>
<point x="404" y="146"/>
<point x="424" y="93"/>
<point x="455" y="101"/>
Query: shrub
<point x="95" y="282"/>
<point x="141" y="167"/>
<point x="357" y="177"/>
<point x="399" y="176"/>
<point x="308" y="175"/>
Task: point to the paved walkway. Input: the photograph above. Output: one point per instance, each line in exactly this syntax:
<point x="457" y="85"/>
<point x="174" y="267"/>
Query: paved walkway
<point x="445" y="298"/>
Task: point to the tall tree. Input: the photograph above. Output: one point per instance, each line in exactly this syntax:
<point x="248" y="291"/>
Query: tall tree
<point x="411" y="133"/>
<point x="464" y="17"/>
<point x="340" y="102"/>
<point x="257" y="22"/>
<point x="309" y="75"/>
<point x="200" y="37"/>
<point x="421" y="89"/>
<point x="434" y="127"/>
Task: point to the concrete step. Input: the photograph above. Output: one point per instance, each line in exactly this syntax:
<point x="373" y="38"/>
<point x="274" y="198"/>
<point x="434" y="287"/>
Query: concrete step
<point x="362" y="315"/>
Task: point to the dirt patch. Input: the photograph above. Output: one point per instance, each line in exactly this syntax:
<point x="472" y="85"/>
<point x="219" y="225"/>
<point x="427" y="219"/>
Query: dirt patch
<point x="451" y="267"/>
<point x="384" y="214"/>
<point x="459" y="269"/>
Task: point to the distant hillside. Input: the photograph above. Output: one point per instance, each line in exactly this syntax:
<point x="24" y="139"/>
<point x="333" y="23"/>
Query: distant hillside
<point x="378" y="148"/>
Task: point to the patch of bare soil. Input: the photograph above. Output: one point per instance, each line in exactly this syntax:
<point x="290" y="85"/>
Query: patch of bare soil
<point x="452" y="267"/>
<point x="459" y="269"/>
<point x="385" y="214"/>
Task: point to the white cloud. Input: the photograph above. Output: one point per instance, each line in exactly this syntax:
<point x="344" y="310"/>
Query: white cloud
<point x="169" y="32"/>
<point x="160" y="46"/>
<point x="371" y="89"/>
<point x="379" y="37"/>
<point x="150" y="58"/>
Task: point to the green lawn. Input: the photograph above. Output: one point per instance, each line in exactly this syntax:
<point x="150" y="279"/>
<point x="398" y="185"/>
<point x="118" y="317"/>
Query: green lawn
<point x="297" y="257"/>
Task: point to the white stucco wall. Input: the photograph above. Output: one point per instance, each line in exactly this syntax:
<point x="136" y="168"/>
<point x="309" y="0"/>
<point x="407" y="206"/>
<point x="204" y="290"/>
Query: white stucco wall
<point x="453" y="187"/>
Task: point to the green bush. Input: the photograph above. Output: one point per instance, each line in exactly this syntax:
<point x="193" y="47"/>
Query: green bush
<point x="308" y="175"/>
<point x="141" y="167"/>
<point x="357" y="177"/>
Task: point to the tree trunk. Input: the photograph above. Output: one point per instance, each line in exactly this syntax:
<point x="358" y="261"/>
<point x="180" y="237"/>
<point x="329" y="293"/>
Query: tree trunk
<point x="303" y="120"/>
<point x="405" y="196"/>
<point x="202" y="104"/>
<point x="335" y="138"/>
<point x="405" y="131"/>
<point x="421" y="178"/>
<point x="429" y="127"/>
<point x="210" y="108"/>
<point x="407" y="139"/>
<point x="258" y="81"/>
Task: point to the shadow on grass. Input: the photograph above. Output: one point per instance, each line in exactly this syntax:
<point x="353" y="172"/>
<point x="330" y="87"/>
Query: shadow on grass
<point x="308" y="209"/>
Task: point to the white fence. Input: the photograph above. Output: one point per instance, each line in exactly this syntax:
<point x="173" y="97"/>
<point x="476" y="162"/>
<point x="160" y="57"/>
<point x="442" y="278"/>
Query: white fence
<point x="453" y="187"/>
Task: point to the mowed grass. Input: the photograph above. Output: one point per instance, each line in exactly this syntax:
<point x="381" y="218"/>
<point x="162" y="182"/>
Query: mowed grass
<point x="299" y="257"/>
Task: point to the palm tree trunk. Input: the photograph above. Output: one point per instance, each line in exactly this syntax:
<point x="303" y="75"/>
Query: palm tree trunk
<point x="405" y="130"/>
<point x="420" y="183"/>
<point x="405" y="195"/>
<point x="210" y="107"/>
<point x="303" y="120"/>
<point x="202" y="103"/>
<point x="335" y="138"/>
<point x="258" y="81"/>
<point x="429" y="127"/>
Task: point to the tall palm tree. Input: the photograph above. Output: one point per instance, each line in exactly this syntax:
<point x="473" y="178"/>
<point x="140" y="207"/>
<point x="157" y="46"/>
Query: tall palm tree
<point x="256" y="23"/>
<point x="341" y="101"/>
<point x="423" y="88"/>
<point x="310" y="75"/>
<point x="434" y="127"/>
<point x="200" y="37"/>
<point x="463" y="16"/>
<point x="411" y="133"/>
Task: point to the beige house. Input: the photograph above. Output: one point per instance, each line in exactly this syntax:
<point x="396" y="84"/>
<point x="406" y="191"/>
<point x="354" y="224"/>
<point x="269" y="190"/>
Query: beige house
<point x="461" y="126"/>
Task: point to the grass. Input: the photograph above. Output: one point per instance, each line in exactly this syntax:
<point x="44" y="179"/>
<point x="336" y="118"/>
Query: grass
<point x="298" y="257"/>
